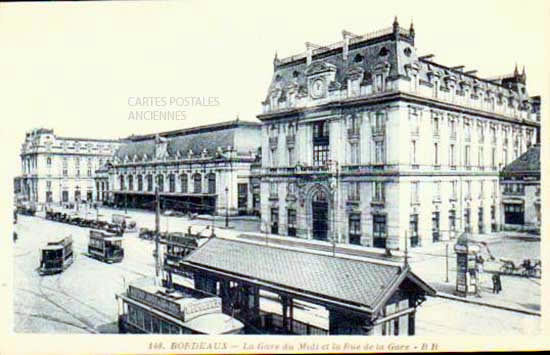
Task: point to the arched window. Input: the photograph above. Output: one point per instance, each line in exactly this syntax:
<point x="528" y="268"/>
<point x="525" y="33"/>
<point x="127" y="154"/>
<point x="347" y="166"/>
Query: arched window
<point x="130" y="182"/>
<point x="140" y="182"/>
<point x="49" y="162"/>
<point x="184" y="183"/>
<point x="211" y="183"/>
<point x="160" y="182"/>
<point x="149" y="182"/>
<point x="172" y="182"/>
<point x="121" y="178"/>
<point x="197" y="183"/>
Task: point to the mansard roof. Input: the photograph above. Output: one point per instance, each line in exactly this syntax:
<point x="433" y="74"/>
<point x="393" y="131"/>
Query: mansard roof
<point x="203" y="141"/>
<point x="393" y="48"/>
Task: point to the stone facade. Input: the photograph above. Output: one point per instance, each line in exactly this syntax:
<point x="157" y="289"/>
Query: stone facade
<point x="364" y="142"/>
<point x="203" y="169"/>
<point x="61" y="169"/>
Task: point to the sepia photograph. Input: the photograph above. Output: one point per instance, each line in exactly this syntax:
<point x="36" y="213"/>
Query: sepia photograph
<point x="273" y="177"/>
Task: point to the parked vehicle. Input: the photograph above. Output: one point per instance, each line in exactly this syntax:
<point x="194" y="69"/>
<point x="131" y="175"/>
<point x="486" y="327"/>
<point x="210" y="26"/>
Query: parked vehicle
<point x="26" y="209"/>
<point x="127" y="222"/>
<point x="56" y="256"/>
<point x="145" y="233"/>
<point x="105" y="246"/>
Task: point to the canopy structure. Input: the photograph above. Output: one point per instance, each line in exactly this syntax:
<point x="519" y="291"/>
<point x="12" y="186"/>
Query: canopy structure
<point x="358" y="287"/>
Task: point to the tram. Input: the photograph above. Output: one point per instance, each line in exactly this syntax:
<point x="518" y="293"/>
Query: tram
<point x="106" y="247"/>
<point x="56" y="256"/>
<point x="177" y="246"/>
<point x="157" y="310"/>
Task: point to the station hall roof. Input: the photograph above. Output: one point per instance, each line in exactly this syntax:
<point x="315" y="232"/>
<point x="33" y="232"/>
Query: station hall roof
<point x="361" y="283"/>
<point x="209" y="138"/>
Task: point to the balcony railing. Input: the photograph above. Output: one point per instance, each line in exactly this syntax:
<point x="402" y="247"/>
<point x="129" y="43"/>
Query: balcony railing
<point x="290" y="140"/>
<point x="378" y="130"/>
<point x="273" y="142"/>
<point x="353" y="133"/>
<point x="513" y="193"/>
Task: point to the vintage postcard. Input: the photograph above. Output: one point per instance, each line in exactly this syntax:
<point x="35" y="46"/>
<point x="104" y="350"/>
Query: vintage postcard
<point x="273" y="177"/>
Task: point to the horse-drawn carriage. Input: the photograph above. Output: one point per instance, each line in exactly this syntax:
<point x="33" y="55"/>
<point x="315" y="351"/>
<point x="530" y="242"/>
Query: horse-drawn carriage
<point x="528" y="268"/>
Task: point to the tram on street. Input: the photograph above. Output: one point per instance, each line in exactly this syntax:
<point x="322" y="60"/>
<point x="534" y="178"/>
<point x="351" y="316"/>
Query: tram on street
<point x="56" y="256"/>
<point x="105" y="246"/>
<point x="154" y="309"/>
<point x="125" y="222"/>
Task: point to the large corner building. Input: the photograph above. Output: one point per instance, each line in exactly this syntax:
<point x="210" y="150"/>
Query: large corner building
<point x="366" y="142"/>
<point x="57" y="169"/>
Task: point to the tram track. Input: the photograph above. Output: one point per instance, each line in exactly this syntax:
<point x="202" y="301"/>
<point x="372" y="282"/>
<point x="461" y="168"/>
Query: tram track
<point x="90" y="328"/>
<point x="61" y="291"/>
<point x="51" y="319"/>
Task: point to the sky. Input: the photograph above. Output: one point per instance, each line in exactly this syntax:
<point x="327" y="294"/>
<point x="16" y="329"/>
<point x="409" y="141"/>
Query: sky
<point x="85" y="68"/>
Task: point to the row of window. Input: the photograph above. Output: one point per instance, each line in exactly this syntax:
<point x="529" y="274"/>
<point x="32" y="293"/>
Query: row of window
<point x="513" y="188"/>
<point x="379" y="190"/>
<point x="488" y="100"/>
<point x="128" y="183"/>
<point x="149" y="323"/>
<point x="379" y="227"/>
<point x="467" y="159"/>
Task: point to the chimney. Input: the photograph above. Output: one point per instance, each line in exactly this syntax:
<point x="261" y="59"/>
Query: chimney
<point x="309" y="52"/>
<point x="275" y="61"/>
<point x="345" y="48"/>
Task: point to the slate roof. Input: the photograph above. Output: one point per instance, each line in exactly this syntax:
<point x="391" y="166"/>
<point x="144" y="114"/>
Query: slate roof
<point x="351" y="281"/>
<point x="528" y="162"/>
<point x="209" y="138"/>
<point x="365" y="53"/>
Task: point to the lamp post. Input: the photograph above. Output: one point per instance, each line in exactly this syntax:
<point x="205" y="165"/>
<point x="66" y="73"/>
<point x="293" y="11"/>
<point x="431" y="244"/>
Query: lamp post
<point x="333" y="164"/>
<point x="226" y="207"/>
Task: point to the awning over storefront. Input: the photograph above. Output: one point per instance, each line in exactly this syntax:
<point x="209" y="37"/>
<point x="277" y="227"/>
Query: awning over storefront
<point x="358" y="285"/>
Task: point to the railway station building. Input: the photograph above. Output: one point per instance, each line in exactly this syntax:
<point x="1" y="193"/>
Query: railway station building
<point x="204" y="169"/>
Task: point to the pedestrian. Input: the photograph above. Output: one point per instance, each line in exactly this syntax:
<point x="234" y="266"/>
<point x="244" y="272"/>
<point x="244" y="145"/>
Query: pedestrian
<point x="499" y="283"/>
<point x="477" y="274"/>
<point x="495" y="283"/>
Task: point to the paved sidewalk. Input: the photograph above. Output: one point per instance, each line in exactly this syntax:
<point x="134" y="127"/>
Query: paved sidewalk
<point x="521" y="294"/>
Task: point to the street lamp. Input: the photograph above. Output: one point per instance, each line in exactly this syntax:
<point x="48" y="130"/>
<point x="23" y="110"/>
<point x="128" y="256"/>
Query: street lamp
<point x="226" y="207"/>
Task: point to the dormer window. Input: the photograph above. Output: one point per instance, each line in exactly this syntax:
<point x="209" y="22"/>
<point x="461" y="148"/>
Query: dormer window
<point x="383" y="52"/>
<point x="358" y="58"/>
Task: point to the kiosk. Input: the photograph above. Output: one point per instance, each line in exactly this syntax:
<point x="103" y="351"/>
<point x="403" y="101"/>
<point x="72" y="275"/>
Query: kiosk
<point x="467" y="277"/>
